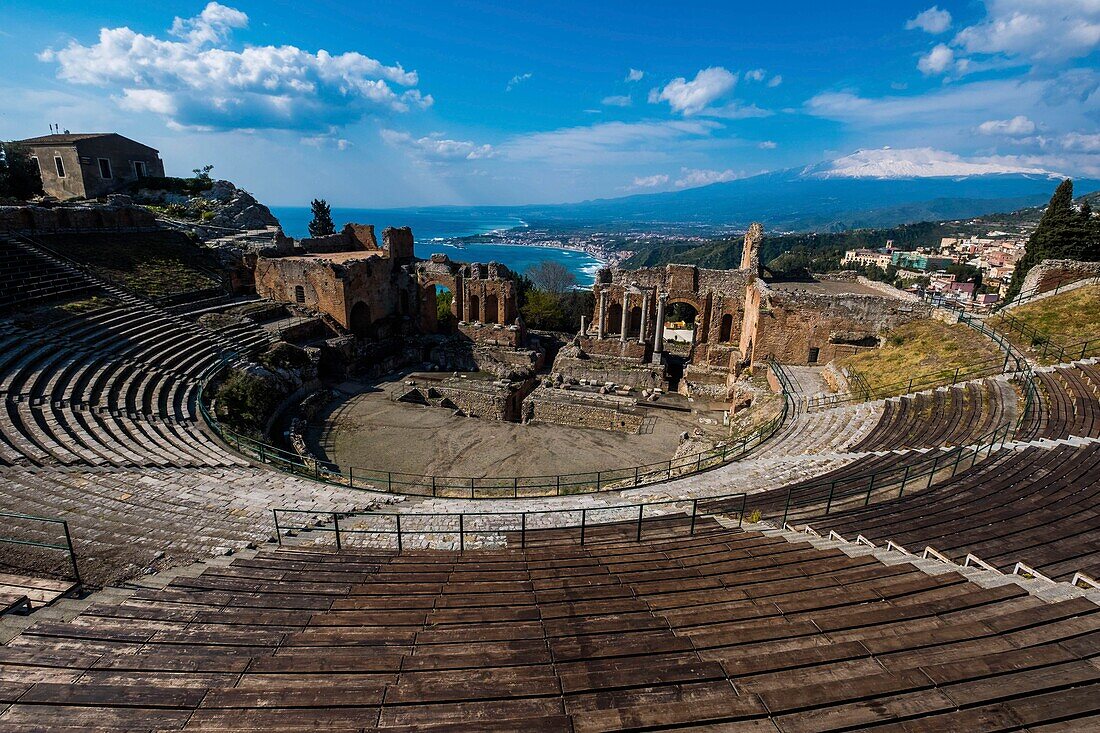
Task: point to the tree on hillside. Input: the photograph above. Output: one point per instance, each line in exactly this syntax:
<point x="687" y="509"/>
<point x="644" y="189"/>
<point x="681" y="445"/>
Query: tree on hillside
<point x="552" y="277"/>
<point x="19" y="176"/>
<point x="1062" y="233"/>
<point x="321" y="224"/>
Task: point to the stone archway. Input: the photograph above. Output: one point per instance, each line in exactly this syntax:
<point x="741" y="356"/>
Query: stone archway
<point x="725" y="332"/>
<point x="492" y="314"/>
<point x="615" y="319"/>
<point x="475" y="309"/>
<point x="359" y="320"/>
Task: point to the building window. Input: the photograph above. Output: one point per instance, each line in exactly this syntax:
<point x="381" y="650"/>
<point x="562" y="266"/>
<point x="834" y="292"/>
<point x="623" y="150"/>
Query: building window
<point x="139" y="169"/>
<point x="814" y="353"/>
<point x="299" y="294"/>
<point x="105" y="168"/>
<point x="60" y="165"/>
<point x="37" y="164"/>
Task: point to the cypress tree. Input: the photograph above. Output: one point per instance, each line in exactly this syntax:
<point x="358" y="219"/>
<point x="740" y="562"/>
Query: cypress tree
<point x="322" y="219"/>
<point x="1062" y="233"/>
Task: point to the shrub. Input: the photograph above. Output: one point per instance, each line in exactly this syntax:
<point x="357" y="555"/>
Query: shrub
<point x="753" y="517"/>
<point x="246" y="401"/>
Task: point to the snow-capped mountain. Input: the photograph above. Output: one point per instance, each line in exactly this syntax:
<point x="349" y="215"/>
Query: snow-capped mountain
<point x="915" y="163"/>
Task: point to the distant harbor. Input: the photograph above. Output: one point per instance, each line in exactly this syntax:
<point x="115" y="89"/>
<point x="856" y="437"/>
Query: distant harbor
<point x="459" y="235"/>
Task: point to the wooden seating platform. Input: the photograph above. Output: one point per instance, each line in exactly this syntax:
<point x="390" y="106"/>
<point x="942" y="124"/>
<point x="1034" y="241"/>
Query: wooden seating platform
<point x="1036" y="506"/>
<point x="25" y="593"/>
<point x="724" y="630"/>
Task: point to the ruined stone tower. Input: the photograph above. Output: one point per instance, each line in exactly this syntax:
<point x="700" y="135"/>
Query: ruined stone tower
<point x="750" y="253"/>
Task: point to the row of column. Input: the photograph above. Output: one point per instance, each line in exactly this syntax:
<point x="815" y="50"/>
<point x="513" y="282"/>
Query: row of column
<point x="659" y="331"/>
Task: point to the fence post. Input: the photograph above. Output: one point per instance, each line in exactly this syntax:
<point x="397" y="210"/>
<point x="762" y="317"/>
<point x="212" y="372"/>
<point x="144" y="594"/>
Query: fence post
<point x="263" y="458"/>
<point x="461" y="534"/>
<point x="584" y="518"/>
<point x="597" y="480"/>
<point x="515" y="486"/>
<point x="932" y="473"/>
<point x="641" y="508"/>
<point x="636" y="475"/>
<point x="336" y="524"/>
<point x="694" y="512"/>
<point x="351" y="477"/>
<point x="433" y="485"/>
<point x="523" y="529"/>
<point x="72" y="553"/>
<point x="557" y="485"/>
<point x="389" y="480"/>
<point x="829" y="503"/>
<point x="956" y="378"/>
<point x="870" y="488"/>
<point x="904" y="480"/>
<point x="398" y="532"/>
<point x="278" y="534"/>
<point x="787" y="506"/>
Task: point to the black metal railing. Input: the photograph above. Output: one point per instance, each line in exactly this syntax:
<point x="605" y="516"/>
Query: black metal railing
<point x="11" y="520"/>
<point x="487" y="487"/>
<point x="521" y="525"/>
<point x="1047" y="345"/>
<point x="801" y="501"/>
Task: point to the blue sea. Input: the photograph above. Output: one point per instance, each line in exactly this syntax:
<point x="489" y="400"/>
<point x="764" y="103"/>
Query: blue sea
<point x="435" y="230"/>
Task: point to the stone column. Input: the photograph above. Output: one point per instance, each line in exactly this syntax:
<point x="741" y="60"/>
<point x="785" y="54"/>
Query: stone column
<point x="601" y="325"/>
<point x="626" y="315"/>
<point x="645" y="317"/>
<point x="659" y="332"/>
<point x="583" y="329"/>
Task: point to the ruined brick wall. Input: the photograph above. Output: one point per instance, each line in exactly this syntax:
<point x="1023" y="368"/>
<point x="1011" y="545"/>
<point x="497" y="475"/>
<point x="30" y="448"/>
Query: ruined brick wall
<point x="544" y="406"/>
<point x="81" y="217"/>
<point x="793" y="324"/>
<point x="477" y="401"/>
<point x="491" y="334"/>
<point x="644" y="376"/>
<point x="322" y="283"/>
<point x="1050" y="274"/>
<point x="352" y="238"/>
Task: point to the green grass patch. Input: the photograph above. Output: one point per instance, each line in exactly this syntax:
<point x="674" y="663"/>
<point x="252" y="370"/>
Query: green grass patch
<point x="1060" y="320"/>
<point x="928" y="352"/>
<point x="153" y="264"/>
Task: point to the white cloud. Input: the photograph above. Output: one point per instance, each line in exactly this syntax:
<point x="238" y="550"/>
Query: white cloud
<point x="937" y="61"/>
<point x="618" y="100"/>
<point x="775" y="81"/>
<point x="1015" y="127"/>
<point x="915" y="163"/>
<point x="692" y="177"/>
<point x="767" y="145"/>
<point x="435" y="147"/>
<point x="606" y="142"/>
<point x="693" y="97"/>
<point x="634" y="75"/>
<point x="932" y="20"/>
<point x="197" y="81"/>
<point x="755" y="75"/>
<point x="1034" y="31"/>
<point x="651" y="181"/>
<point x="517" y="80"/>
<point x="1083" y="142"/>
<point x="328" y="140"/>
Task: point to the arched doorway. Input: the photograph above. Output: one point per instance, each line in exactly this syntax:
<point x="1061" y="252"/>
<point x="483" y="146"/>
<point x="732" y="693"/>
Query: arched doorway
<point x="475" y="309"/>
<point x="360" y="320"/>
<point x="441" y="301"/>
<point x="635" y="326"/>
<point x="491" y="315"/>
<point x="614" y="319"/>
<point x="726" y="330"/>
<point x="680" y="322"/>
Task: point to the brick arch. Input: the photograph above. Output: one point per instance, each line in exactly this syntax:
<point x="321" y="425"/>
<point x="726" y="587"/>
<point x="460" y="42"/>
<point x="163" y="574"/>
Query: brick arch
<point x="700" y="326"/>
<point x="359" y="319"/>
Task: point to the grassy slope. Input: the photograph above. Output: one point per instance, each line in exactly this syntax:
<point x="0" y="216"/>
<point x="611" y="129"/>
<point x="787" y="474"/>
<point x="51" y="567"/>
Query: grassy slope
<point x="154" y="264"/>
<point x="921" y="350"/>
<point x="1066" y="318"/>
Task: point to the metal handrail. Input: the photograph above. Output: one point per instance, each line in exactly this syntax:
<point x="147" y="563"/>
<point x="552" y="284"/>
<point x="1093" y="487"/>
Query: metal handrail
<point x="67" y="547"/>
<point x="523" y="527"/>
<point x="486" y="487"/>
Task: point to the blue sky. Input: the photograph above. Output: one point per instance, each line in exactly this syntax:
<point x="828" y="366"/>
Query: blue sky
<point x="415" y="103"/>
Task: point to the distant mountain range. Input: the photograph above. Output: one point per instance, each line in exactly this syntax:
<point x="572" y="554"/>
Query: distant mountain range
<point x="865" y="189"/>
